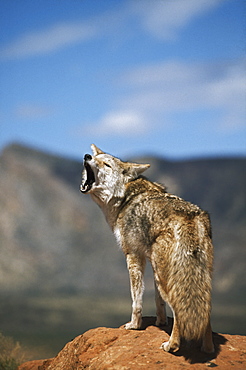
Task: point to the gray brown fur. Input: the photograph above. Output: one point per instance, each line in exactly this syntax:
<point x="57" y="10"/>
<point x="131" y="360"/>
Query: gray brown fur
<point x="173" y="234"/>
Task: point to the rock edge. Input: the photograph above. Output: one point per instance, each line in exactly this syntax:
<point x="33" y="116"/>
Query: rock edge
<point x="119" y="349"/>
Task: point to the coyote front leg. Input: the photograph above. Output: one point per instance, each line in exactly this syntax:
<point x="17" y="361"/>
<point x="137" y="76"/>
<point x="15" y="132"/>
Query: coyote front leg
<point x="136" y="265"/>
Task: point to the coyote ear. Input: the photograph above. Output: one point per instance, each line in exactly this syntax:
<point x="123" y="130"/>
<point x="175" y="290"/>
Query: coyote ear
<point x="96" y="150"/>
<point x="139" y="168"/>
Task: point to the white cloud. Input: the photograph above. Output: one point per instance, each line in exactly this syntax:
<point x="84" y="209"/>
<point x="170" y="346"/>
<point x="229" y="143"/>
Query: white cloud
<point x="230" y="94"/>
<point x="164" y="19"/>
<point x="48" y="40"/>
<point x="154" y="94"/>
<point x="175" y="86"/>
<point x="168" y="72"/>
<point x="125" y="122"/>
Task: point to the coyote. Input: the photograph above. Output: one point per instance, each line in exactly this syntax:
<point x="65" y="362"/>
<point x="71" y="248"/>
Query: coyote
<point x="175" y="235"/>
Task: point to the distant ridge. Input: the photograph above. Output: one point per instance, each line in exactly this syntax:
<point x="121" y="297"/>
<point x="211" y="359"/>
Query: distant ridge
<point x="54" y="239"/>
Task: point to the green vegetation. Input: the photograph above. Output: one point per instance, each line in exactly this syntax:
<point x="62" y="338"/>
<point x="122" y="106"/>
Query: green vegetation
<point x="11" y="355"/>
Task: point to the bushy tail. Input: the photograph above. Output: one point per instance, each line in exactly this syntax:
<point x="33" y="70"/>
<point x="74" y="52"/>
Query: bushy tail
<point x="190" y="283"/>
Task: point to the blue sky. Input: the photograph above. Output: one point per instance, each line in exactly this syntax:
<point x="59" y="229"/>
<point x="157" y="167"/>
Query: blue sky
<point x="132" y="76"/>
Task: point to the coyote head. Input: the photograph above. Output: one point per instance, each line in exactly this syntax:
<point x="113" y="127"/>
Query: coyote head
<point x="105" y="176"/>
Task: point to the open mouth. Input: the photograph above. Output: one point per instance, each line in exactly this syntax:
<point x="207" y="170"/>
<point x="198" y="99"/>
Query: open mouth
<point x="88" y="178"/>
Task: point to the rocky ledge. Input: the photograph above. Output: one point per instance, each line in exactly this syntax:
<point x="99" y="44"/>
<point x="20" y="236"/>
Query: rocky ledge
<point x="120" y="349"/>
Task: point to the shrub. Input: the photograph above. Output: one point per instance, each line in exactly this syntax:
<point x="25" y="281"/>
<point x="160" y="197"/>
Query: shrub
<point x="11" y="355"/>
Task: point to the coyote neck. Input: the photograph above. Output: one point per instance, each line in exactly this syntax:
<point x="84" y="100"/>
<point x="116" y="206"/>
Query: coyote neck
<point x="110" y="209"/>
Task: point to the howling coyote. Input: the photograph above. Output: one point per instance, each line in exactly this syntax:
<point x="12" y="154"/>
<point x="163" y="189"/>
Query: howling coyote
<point x="173" y="234"/>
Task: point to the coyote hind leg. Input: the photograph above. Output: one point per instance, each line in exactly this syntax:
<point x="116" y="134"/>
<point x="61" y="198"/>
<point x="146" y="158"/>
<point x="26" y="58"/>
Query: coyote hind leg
<point x="160" y="309"/>
<point x="207" y="342"/>
<point x="174" y="341"/>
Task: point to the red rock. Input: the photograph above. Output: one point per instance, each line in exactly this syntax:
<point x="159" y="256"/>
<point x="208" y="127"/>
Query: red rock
<point x="120" y="349"/>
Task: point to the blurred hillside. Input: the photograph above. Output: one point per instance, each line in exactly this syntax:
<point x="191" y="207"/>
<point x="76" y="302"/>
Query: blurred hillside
<point x="54" y="240"/>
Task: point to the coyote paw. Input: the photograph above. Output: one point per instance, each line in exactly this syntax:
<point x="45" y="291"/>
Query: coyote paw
<point x="131" y="326"/>
<point x="166" y="346"/>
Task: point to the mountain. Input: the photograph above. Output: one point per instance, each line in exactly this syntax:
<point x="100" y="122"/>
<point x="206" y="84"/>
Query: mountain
<point x="50" y="233"/>
<point x="55" y="240"/>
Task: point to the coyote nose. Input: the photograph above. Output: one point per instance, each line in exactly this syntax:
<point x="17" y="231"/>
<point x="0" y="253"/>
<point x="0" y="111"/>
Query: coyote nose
<point x="87" y="157"/>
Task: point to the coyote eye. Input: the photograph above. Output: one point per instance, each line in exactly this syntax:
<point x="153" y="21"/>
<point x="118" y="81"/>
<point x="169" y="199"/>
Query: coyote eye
<point x="107" y="165"/>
